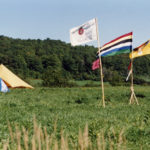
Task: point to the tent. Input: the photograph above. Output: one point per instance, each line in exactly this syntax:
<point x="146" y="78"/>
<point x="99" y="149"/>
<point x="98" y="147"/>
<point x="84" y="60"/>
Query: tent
<point x="11" y="79"/>
<point x="3" y="86"/>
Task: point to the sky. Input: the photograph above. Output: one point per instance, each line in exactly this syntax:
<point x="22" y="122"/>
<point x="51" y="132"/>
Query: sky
<point x="41" y="19"/>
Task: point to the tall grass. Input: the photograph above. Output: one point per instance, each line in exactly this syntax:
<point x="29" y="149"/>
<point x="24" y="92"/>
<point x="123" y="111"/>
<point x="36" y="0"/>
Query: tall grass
<point x="42" y="140"/>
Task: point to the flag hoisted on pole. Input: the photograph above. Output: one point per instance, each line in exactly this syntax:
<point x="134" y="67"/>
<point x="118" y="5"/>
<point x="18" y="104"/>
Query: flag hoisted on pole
<point x="120" y="45"/>
<point x="142" y="50"/>
<point x="84" y="33"/>
<point x="96" y="64"/>
<point x="129" y="71"/>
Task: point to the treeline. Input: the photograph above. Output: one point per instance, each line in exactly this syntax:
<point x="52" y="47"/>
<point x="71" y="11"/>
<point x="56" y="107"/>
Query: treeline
<point x="57" y="61"/>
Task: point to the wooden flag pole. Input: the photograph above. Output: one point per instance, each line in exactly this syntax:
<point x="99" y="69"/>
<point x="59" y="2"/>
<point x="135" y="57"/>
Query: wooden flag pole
<point x="101" y="68"/>
<point x="133" y="96"/>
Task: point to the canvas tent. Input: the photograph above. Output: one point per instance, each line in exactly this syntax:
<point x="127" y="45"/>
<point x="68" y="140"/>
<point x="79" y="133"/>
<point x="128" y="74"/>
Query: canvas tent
<point x="11" y="79"/>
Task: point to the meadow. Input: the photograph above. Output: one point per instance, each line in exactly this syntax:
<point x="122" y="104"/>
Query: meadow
<point x="73" y="110"/>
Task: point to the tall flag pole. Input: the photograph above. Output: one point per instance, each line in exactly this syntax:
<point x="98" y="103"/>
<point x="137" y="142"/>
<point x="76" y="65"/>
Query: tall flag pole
<point x="133" y="96"/>
<point x="85" y="33"/>
<point x="120" y="45"/>
<point x="100" y="63"/>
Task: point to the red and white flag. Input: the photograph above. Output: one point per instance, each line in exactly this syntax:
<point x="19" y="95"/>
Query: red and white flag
<point x="128" y="75"/>
<point x="95" y="64"/>
<point x="129" y="67"/>
<point x="130" y="71"/>
<point x="84" y="33"/>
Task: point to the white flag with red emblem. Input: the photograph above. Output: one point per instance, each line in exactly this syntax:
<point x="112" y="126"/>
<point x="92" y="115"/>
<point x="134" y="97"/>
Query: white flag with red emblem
<point x="83" y="33"/>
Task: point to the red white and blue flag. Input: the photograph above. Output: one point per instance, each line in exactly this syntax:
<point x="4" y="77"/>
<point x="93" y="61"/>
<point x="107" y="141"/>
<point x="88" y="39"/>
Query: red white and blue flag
<point x="122" y="44"/>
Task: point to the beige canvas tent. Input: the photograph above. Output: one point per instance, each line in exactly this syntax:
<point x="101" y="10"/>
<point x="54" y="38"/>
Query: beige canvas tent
<point x="11" y="79"/>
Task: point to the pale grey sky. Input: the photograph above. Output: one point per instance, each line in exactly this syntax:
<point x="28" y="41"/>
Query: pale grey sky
<point x="53" y="18"/>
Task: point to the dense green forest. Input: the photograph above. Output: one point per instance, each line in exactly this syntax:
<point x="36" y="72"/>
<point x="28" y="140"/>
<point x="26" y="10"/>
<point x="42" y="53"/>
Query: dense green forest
<point x="53" y="59"/>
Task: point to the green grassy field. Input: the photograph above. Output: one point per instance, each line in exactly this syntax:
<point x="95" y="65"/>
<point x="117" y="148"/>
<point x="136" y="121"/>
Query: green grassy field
<point x="72" y="108"/>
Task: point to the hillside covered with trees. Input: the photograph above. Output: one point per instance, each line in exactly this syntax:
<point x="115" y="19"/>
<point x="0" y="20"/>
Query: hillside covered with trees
<point x="53" y="59"/>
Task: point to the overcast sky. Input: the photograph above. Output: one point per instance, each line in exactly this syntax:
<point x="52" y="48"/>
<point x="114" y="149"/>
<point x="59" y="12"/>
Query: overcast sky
<point x="41" y="19"/>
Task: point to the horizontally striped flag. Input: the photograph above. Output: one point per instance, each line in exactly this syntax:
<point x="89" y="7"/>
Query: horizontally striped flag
<point x="122" y="44"/>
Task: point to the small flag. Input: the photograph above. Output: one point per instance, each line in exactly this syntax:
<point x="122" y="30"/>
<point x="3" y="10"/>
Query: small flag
<point x="130" y="71"/>
<point x="96" y="64"/>
<point x="122" y="44"/>
<point x="129" y="67"/>
<point x="83" y="33"/>
<point x="128" y="75"/>
<point x="142" y="50"/>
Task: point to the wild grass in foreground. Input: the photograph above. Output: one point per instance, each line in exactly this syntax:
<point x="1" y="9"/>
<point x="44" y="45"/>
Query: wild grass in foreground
<point x="41" y="140"/>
